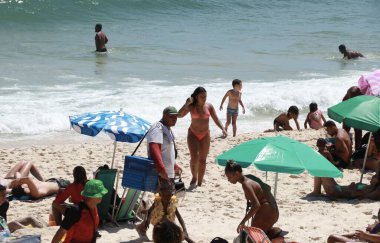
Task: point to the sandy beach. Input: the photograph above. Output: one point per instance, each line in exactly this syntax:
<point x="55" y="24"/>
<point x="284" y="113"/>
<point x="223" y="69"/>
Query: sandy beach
<point x="216" y="208"/>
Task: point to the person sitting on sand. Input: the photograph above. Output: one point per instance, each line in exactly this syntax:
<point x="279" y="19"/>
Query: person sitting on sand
<point x="373" y="156"/>
<point x="163" y="208"/>
<point x="343" y="145"/>
<point x="264" y="211"/>
<point x="314" y="118"/>
<point x="349" y="54"/>
<point x="322" y="149"/>
<point x="16" y="224"/>
<point x="351" y="93"/>
<point x="72" y="191"/>
<point x="281" y="122"/>
<point x="371" y="234"/>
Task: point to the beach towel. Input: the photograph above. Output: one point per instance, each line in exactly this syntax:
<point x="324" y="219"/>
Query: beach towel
<point x="369" y="84"/>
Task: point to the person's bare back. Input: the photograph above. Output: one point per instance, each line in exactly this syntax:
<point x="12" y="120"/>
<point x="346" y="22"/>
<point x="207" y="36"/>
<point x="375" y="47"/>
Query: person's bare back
<point x="343" y="145"/>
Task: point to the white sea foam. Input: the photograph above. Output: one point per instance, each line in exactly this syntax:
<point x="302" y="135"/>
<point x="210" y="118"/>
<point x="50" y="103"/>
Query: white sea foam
<point x="46" y="110"/>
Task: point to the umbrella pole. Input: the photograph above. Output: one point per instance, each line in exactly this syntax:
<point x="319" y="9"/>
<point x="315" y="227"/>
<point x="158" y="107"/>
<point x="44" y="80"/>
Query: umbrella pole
<point x="114" y="151"/>
<point x="365" y="157"/>
<point x="275" y="186"/>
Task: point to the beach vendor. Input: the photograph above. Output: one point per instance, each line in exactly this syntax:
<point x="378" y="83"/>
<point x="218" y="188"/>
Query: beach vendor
<point x="264" y="211"/>
<point x="161" y="149"/>
<point x="81" y="222"/>
<point x="72" y="191"/>
<point x="343" y="145"/>
<point x="198" y="135"/>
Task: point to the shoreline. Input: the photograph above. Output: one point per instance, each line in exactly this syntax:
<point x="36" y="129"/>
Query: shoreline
<point x="216" y="208"/>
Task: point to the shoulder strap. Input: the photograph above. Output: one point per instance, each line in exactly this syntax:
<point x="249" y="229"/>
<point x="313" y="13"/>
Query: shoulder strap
<point x="138" y="145"/>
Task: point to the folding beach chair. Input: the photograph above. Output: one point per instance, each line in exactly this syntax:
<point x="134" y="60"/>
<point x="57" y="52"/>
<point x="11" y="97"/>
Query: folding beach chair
<point x="129" y="205"/>
<point x="252" y="235"/>
<point x="108" y="177"/>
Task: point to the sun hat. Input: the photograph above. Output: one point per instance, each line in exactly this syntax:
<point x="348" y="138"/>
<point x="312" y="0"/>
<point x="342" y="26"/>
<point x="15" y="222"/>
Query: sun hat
<point x="94" y="189"/>
<point x="170" y="110"/>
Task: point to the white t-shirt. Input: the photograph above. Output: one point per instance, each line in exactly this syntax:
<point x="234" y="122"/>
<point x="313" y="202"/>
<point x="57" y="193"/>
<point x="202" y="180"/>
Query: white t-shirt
<point x="160" y="134"/>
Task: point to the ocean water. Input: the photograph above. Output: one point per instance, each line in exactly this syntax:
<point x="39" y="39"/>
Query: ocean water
<point x="286" y="53"/>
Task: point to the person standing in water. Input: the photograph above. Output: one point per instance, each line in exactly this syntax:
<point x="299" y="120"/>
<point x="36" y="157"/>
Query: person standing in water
<point x="100" y="39"/>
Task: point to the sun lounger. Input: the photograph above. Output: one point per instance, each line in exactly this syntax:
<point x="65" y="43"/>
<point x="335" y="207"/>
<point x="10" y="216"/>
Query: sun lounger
<point x="108" y="177"/>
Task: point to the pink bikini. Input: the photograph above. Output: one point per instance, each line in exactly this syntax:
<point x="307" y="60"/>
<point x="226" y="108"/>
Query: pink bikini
<point x="195" y="115"/>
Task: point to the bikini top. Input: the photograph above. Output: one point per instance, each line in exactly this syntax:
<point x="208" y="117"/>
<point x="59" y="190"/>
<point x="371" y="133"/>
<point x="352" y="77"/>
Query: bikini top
<point x="196" y="115"/>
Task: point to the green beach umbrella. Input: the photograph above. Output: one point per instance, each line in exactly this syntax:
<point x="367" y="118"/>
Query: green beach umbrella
<point x="280" y="154"/>
<point x="361" y="112"/>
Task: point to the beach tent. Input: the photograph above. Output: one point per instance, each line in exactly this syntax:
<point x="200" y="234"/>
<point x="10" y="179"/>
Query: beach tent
<point x="361" y="112"/>
<point x="279" y="154"/>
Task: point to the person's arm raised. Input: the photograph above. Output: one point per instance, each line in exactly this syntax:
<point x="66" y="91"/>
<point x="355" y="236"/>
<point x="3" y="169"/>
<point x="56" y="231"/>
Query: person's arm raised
<point x="185" y="108"/>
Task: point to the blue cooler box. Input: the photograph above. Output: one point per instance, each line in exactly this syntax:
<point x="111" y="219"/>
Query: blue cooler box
<point x="140" y="174"/>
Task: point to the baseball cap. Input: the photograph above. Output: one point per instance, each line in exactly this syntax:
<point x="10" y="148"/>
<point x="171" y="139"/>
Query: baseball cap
<point x="170" y="110"/>
<point x="94" y="189"/>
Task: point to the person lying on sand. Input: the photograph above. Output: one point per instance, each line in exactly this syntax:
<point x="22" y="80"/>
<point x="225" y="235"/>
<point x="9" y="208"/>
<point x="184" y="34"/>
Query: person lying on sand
<point x="360" y="191"/>
<point x="264" y="211"/>
<point x="20" y="170"/>
<point x="371" y="234"/>
<point x="19" y="223"/>
<point x="373" y="156"/>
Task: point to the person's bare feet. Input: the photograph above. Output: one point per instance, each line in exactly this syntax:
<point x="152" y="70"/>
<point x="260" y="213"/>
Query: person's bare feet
<point x="141" y="230"/>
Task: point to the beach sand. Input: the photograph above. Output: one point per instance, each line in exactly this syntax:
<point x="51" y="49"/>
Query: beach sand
<point x="216" y="208"/>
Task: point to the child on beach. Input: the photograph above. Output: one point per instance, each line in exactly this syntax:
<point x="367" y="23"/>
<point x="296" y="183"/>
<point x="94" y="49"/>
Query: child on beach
<point x="314" y="118"/>
<point x="163" y="208"/>
<point x="282" y="121"/>
<point x="234" y="99"/>
<point x="322" y="149"/>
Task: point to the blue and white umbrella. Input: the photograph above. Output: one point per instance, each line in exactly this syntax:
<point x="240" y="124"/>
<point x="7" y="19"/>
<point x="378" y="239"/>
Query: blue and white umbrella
<point x="119" y="126"/>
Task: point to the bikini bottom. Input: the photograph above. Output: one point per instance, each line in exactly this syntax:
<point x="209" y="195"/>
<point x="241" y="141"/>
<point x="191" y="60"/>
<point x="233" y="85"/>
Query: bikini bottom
<point x="199" y="136"/>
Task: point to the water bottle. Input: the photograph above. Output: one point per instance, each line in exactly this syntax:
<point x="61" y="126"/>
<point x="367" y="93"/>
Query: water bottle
<point x="5" y="234"/>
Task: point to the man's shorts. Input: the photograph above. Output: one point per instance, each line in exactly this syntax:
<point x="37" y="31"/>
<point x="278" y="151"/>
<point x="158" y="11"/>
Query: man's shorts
<point x="232" y="112"/>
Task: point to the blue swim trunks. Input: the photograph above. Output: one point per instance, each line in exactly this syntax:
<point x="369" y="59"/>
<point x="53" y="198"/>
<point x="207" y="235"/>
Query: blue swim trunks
<point x="232" y="112"/>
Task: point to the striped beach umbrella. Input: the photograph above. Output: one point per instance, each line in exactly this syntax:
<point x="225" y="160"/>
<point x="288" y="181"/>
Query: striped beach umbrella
<point x="118" y="125"/>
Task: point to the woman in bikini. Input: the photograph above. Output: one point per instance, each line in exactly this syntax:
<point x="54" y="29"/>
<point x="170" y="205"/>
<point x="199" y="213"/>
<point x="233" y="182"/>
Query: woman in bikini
<point x="264" y="211"/>
<point x="198" y="136"/>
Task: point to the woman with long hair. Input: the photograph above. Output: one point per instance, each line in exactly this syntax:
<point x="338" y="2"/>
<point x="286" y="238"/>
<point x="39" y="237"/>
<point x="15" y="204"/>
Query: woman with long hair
<point x="198" y="136"/>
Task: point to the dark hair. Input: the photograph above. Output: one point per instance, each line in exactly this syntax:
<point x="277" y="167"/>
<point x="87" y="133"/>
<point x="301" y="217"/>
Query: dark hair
<point x="321" y="142"/>
<point x="80" y="176"/>
<point x="313" y="107"/>
<point x="167" y="232"/>
<point x="232" y="167"/>
<point x="342" y="48"/>
<point x="196" y="92"/>
<point x="329" y="123"/>
<point x="2" y="188"/>
<point x="293" y="109"/>
<point x="99" y="26"/>
<point x="236" y="82"/>
<point x="103" y="167"/>
<point x="18" y="191"/>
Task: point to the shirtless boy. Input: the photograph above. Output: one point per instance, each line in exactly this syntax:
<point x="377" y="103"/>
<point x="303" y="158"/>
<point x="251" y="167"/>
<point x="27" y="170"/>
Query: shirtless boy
<point x="282" y="121"/>
<point x="343" y="144"/>
<point x="234" y="99"/>
<point x="100" y="39"/>
<point x="348" y="54"/>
